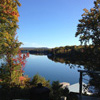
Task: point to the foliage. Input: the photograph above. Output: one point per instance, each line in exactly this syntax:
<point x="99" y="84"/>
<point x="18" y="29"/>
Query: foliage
<point x="18" y="68"/>
<point x="38" y="51"/>
<point x="89" y="27"/>
<point x="14" y="93"/>
<point x="89" y="31"/>
<point x="10" y="72"/>
<point x="39" y="79"/>
<point x="72" y="96"/>
<point x="57" y="92"/>
<point x="24" y="93"/>
<point x="8" y="25"/>
<point x="69" y="52"/>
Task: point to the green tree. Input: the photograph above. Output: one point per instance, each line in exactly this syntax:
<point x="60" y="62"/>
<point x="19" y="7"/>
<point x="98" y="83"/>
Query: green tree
<point x="57" y="91"/>
<point x="89" y="27"/>
<point x="88" y="30"/>
<point x="39" y="79"/>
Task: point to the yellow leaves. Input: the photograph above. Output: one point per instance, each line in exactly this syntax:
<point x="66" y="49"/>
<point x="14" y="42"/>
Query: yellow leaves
<point x="18" y="3"/>
<point x="15" y="17"/>
<point x="11" y="24"/>
<point x="5" y="34"/>
<point x="3" y="18"/>
<point x="83" y="14"/>
<point x="9" y="40"/>
<point x="8" y="25"/>
<point x="7" y="37"/>
<point x="5" y="41"/>
<point x="9" y="8"/>
<point x="92" y="13"/>
<point x="98" y="1"/>
<point x="1" y="14"/>
<point x="85" y="10"/>
<point x="6" y="45"/>
<point x="92" y="9"/>
<point x="82" y="20"/>
<point x="8" y="1"/>
<point x="99" y="10"/>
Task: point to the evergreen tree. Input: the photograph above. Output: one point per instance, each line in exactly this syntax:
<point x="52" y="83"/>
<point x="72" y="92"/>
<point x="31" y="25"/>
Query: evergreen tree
<point x="39" y="79"/>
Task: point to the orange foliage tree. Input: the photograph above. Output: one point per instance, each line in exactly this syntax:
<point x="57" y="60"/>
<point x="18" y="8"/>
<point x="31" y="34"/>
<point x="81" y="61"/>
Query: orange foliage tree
<point x="11" y="71"/>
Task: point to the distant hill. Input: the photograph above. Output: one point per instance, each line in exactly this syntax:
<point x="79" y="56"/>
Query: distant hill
<point x="33" y="48"/>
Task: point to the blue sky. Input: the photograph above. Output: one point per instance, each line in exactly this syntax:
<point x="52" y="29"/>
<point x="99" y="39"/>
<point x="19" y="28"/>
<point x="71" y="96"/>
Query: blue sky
<point x="50" y="23"/>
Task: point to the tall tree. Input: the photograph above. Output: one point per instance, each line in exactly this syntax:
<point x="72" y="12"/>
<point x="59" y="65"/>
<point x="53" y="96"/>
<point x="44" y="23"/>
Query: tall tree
<point x="88" y="30"/>
<point x="8" y="26"/>
<point x="89" y="27"/>
<point x="9" y="44"/>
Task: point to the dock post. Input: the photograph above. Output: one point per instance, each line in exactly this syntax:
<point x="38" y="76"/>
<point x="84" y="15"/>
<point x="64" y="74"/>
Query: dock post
<point x="80" y="82"/>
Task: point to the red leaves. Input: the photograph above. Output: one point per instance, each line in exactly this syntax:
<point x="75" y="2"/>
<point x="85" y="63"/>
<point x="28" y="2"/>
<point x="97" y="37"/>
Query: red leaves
<point x="28" y="54"/>
<point x="0" y="80"/>
<point x="8" y="1"/>
<point x="8" y="10"/>
<point x="15" y="13"/>
<point x="15" y="60"/>
<point x="24" y="56"/>
<point x="3" y="6"/>
<point x="21" y="78"/>
<point x="20" y="60"/>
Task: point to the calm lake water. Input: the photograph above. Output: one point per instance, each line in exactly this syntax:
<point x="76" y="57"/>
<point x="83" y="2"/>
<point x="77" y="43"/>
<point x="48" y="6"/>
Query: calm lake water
<point x="51" y="70"/>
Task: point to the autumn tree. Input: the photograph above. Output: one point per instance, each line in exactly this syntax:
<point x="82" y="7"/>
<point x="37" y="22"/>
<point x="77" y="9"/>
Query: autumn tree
<point x="88" y="31"/>
<point x="8" y="26"/>
<point x="9" y="44"/>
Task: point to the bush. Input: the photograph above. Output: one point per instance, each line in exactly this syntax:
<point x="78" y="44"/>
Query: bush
<point x="57" y="91"/>
<point x="39" y="79"/>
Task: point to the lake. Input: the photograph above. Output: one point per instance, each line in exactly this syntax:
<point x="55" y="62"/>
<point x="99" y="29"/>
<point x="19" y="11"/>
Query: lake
<point x="51" y="70"/>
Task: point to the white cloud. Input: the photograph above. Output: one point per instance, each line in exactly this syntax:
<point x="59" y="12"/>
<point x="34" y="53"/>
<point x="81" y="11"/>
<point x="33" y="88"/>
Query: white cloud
<point x="28" y="44"/>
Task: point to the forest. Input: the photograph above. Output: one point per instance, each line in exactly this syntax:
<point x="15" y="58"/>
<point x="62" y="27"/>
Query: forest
<point x="14" y="84"/>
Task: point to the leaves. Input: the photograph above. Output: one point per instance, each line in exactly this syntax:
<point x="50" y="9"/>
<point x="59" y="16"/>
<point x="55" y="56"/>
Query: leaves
<point x="39" y="79"/>
<point x="88" y="27"/>
<point x="85" y="10"/>
<point x="9" y="44"/>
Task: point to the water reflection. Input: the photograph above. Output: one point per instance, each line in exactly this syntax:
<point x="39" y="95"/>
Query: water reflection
<point x="90" y="64"/>
<point x="62" y="69"/>
<point x="52" y="70"/>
